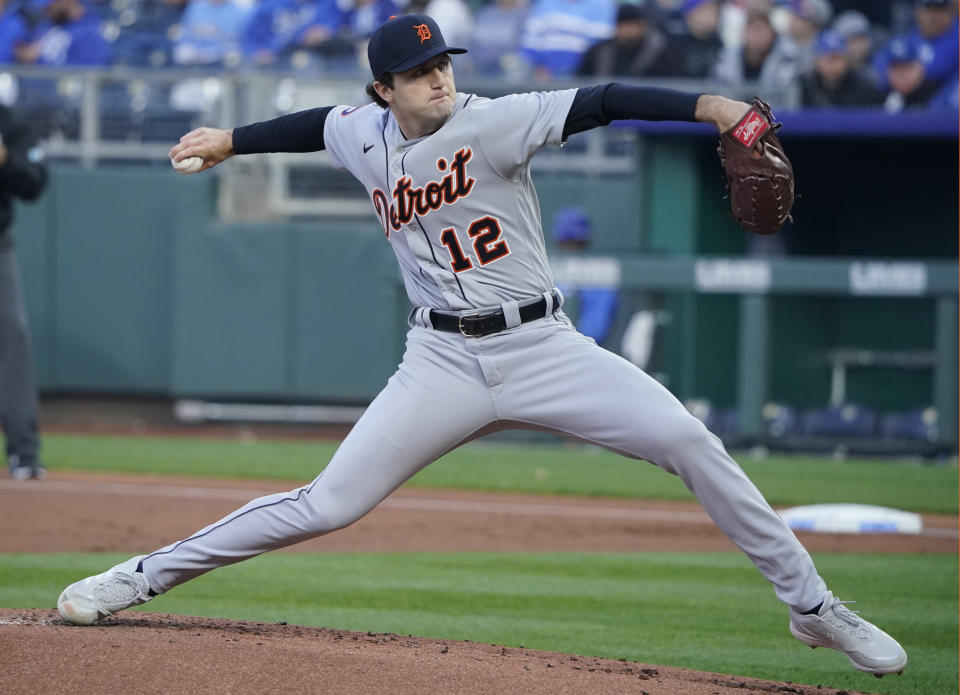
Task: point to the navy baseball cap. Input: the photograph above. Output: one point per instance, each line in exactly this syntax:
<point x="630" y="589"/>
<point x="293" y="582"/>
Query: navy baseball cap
<point x="404" y="42"/>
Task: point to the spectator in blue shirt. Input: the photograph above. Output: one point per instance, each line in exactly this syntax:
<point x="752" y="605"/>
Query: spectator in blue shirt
<point x="908" y="86"/>
<point x="320" y="36"/>
<point x="13" y="31"/>
<point x="935" y="40"/>
<point x="938" y="38"/>
<point x="210" y="33"/>
<point x="278" y="28"/>
<point x="146" y="30"/>
<point x="558" y="32"/>
<point x="67" y="35"/>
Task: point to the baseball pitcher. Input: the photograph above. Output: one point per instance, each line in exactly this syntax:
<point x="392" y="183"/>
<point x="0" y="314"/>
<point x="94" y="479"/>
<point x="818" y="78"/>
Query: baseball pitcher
<point x="489" y="346"/>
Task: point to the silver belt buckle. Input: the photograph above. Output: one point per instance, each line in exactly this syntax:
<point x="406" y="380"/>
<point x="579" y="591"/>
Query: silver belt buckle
<point x="460" y="323"/>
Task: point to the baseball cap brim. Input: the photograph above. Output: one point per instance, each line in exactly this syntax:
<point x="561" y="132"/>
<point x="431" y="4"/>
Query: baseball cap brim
<point x="423" y="57"/>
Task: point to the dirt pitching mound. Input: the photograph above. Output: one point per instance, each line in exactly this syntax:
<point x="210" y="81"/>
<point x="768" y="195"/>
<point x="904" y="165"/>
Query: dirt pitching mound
<point x="155" y="653"/>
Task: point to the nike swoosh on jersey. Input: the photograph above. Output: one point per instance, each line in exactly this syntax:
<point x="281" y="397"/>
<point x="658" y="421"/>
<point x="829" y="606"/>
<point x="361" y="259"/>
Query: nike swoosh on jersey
<point x="367" y="148"/>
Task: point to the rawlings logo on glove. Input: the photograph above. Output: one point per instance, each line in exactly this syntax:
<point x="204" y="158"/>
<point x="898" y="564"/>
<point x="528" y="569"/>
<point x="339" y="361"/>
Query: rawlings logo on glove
<point x="750" y="128"/>
<point x="759" y="177"/>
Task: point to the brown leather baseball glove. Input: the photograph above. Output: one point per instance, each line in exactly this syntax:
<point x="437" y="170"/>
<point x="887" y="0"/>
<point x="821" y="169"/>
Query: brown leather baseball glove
<point x="759" y="177"/>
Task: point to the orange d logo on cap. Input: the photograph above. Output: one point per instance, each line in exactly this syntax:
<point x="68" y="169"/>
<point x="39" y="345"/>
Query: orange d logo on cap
<point x="423" y="32"/>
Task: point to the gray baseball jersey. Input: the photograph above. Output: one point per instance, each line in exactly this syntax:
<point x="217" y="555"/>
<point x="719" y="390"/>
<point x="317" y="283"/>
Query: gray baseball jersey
<point x="458" y="206"/>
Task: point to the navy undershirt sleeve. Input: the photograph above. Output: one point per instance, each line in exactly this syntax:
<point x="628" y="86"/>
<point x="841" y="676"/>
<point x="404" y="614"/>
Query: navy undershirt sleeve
<point x="597" y="106"/>
<point x="295" y="132"/>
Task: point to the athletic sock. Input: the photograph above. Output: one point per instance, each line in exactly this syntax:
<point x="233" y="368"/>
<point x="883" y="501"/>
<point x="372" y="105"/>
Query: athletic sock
<point x="150" y="592"/>
<point x="814" y="610"/>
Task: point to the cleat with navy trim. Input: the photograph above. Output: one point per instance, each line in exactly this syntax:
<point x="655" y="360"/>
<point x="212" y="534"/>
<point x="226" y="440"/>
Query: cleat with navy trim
<point x="868" y="648"/>
<point x="122" y="586"/>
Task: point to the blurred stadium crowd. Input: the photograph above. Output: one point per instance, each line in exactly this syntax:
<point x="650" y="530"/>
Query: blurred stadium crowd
<point x="892" y="55"/>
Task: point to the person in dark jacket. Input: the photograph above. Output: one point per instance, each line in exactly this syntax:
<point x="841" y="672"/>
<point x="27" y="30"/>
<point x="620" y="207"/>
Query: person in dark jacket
<point x="833" y="81"/>
<point x="22" y="175"/>
<point x="699" y="46"/>
<point x="637" y="48"/>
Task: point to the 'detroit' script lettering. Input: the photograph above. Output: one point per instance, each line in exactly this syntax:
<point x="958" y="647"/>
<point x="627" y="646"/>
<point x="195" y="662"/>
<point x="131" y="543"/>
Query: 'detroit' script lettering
<point x="409" y="201"/>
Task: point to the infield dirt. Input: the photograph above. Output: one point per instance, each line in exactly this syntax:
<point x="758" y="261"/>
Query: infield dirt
<point x="155" y="653"/>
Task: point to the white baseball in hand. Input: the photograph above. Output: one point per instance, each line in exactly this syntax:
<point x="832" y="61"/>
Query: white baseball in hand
<point x="188" y="165"/>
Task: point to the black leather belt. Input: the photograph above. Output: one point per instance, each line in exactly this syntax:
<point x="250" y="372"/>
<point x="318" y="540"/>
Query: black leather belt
<point x="478" y="325"/>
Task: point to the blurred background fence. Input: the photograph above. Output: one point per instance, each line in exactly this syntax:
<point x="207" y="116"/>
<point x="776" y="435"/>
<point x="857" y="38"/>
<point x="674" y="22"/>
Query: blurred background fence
<point x="267" y="280"/>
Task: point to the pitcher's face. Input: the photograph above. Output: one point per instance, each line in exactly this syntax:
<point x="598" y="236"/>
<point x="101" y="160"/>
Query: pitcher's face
<point x="422" y="98"/>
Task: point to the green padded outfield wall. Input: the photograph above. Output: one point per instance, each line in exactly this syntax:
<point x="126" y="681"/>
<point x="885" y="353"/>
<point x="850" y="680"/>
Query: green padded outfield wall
<point x="133" y="287"/>
<point x="232" y="298"/>
<point x="113" y="268"/>
<point x="285" y="311"/>
<point x="96" y="257"/>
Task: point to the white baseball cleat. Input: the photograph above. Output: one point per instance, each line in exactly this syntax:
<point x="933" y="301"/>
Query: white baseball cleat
<point x="86" y="601"/>
<point x="869" y="648"/>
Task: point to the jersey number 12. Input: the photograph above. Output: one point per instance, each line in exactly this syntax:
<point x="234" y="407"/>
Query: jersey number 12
<point x="487" y="244"/>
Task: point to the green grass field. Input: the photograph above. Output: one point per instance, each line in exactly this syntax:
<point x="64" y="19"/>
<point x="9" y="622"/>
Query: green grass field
<point x="708" y="611"/>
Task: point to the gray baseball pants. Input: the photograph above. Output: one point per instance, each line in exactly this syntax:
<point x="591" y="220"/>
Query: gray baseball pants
<point x="18" y="391"/>
<point x="450" y="389"/>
